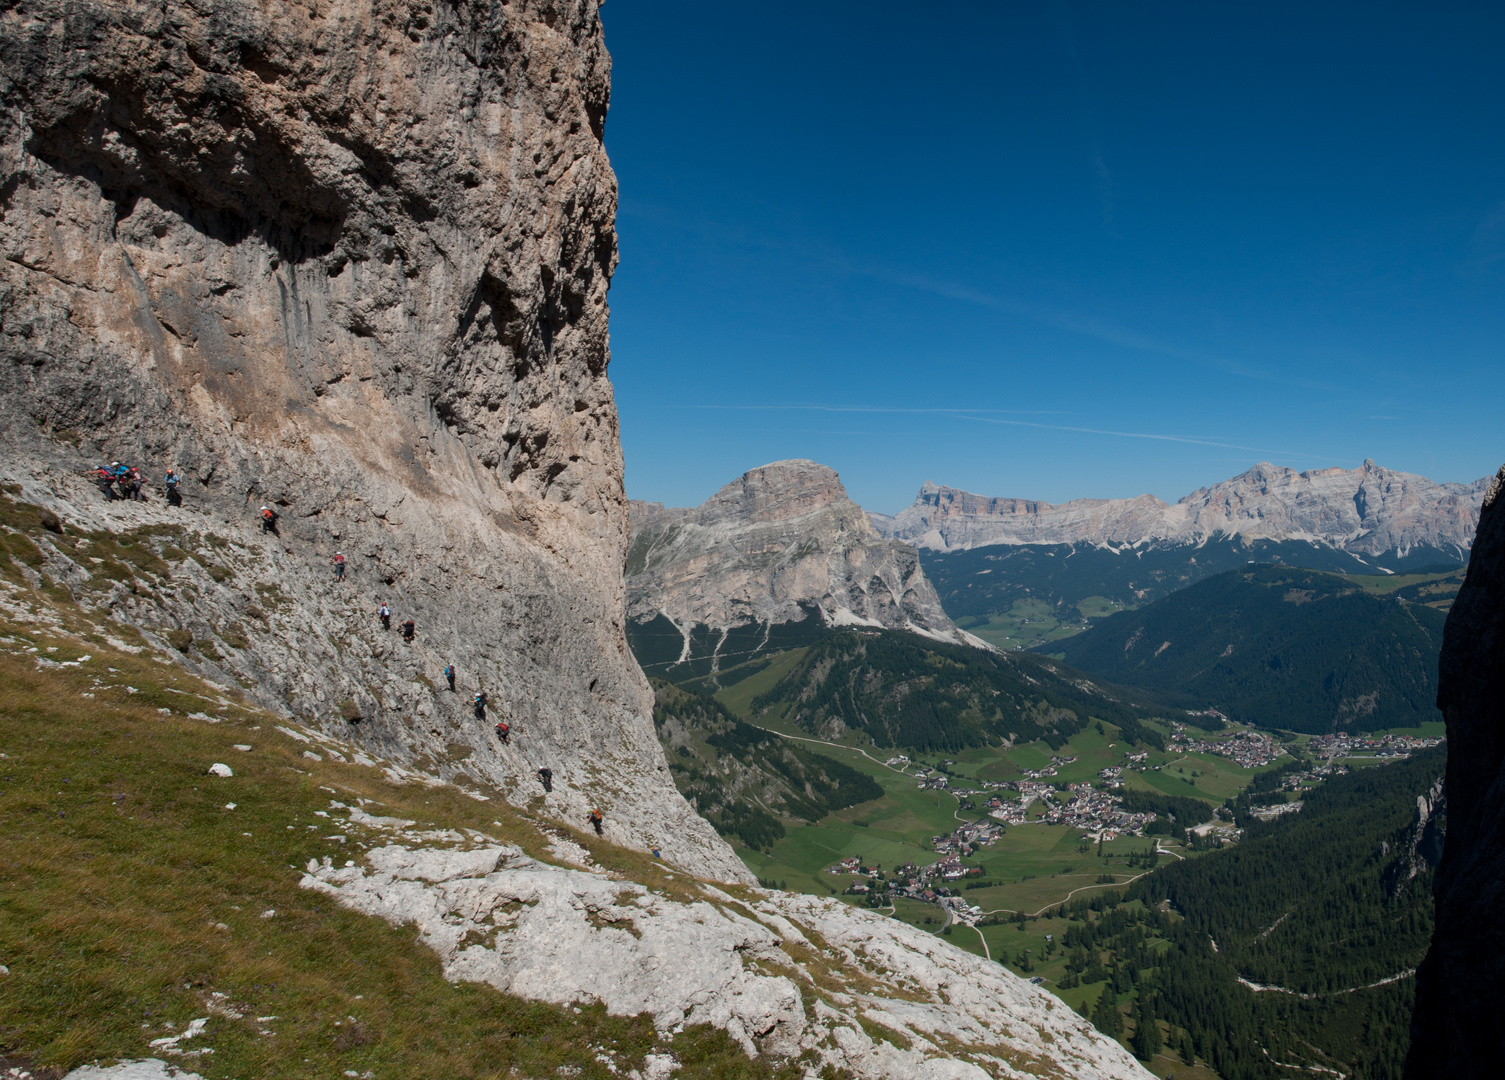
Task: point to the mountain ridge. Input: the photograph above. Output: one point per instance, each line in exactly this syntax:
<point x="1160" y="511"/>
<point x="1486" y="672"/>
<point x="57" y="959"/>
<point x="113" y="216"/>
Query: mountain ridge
<point x="1368" y="511"/>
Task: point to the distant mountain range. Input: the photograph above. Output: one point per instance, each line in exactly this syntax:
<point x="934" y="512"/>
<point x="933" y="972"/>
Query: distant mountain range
<point x="1368" y="511"/>
<point x="771" y="560"/>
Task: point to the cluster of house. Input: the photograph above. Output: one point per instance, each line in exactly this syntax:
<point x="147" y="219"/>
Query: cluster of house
<point x="1343" y="744"/>
<point x="1056" y="760"/>
<point x="1297" y="780"/>
<point x="1218" y="830"/>
<point x="925" y="882"/>
<point x="1250" y="749"/>
<point x="937" y="781"/>
<point x="968" y="838"/>
<point x="1265" y="813"/>
<point x="1098" y="813"/>
<point x="916" y="882"/>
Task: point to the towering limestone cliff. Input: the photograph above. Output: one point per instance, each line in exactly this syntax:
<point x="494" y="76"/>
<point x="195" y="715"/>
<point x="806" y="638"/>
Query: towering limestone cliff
<point x="1370" y="510"/>
<point x="1456" y="1029"/>
<point x="350" y="261"/>
<point x="782" y="546"/>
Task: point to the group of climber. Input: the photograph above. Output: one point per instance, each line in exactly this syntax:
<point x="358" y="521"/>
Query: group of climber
<point x="119" y="481"/>
<point x="128" y="480"/>
<point x="504" y="735"/>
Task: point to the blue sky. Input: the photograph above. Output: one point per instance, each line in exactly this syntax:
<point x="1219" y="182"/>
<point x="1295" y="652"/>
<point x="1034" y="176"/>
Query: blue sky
<point x="1056" y="250"/>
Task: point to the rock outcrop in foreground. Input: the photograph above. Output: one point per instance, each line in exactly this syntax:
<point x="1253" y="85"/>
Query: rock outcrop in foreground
<point x="781" y="544"/>
<point x="1456" y="1030"/>
<point x="1368" y="510"/>
<point x="786" y="975"/>
<point x="349" y="261"/>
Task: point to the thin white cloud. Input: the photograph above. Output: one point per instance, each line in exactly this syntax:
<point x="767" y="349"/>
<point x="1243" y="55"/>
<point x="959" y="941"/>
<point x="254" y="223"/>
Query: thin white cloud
<point x="1070" y="321"/>
<point x="1002" y="417"/>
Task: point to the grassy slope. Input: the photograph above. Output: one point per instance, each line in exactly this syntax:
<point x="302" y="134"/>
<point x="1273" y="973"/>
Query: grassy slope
<point x="1034" y="866"/>
<point x="131" y="897"/>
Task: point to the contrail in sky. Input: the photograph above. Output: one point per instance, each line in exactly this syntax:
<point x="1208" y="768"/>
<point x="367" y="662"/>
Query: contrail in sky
<point x="1001" y="416"/>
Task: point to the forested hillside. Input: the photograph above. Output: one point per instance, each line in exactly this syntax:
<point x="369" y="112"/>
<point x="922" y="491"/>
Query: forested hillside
<point x="991" y="579"/>
<point x="1277" y="647"/>
<point x="1311" y="906"/>
<point x="903" y="690"/>
<point x="746" y="781"/>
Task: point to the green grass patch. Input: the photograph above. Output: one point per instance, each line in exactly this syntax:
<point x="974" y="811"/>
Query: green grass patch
<point x="132" y="899"/>
<point x="738" y="697"/>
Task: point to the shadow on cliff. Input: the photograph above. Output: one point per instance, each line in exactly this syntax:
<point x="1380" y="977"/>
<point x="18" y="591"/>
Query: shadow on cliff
<point x="1456" y="1031"/>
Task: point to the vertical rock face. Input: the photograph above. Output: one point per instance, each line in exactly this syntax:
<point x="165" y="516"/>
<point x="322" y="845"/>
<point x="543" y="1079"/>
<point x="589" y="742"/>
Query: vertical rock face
<point x="349" y="260"/>
<point x="766" y="549"/>
<point x="1456" y="1030"/>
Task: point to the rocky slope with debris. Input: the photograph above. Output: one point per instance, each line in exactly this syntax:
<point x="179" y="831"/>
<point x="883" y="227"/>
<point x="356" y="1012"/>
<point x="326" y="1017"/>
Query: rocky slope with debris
<point x="210" y="837"/>
<point x="350" y="262"/>
<point x="787" y="975"/>
<point x="1368" y="510"/>
<point x="780" y="545"/>
<point x="1454" y="1032"/>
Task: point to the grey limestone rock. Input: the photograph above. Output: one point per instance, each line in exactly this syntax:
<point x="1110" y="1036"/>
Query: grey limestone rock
<point x="1370" y="510"/>
<point x="143" y="1069"/>
<point x="350" y="261"/>
<point x="770" y="546"/>
<point x="784" y="975"/>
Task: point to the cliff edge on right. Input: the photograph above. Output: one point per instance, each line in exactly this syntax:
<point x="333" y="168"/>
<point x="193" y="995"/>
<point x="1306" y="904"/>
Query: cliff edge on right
<point x="1456" y="1030"/>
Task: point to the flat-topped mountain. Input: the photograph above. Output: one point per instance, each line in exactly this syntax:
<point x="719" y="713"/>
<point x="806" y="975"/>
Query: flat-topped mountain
<point x="781" y="549"/>
<point x="1370" y="510"/>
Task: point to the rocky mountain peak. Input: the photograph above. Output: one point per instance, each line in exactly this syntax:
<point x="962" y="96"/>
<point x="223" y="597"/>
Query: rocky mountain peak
<point x="779" y="491"/>
<point x="777" y="544"/>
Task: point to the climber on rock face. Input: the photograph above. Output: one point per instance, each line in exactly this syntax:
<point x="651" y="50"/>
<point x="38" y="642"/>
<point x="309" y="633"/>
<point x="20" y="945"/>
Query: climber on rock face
<point x="170" y="484"/>
<point x="546" y="778"/>
<point x="503" y="731"/>
<point x="449" y="675"/>
<point x="480" y="703"/>
<point x="129" y="480"/>
<point x="104" y="478"/>
<point x="408" y="630"/>
<point x="384" y="613"/>
<point x="269" y="521"/>
<point x="339" y="566"/>
<point x="595" y="820"/>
